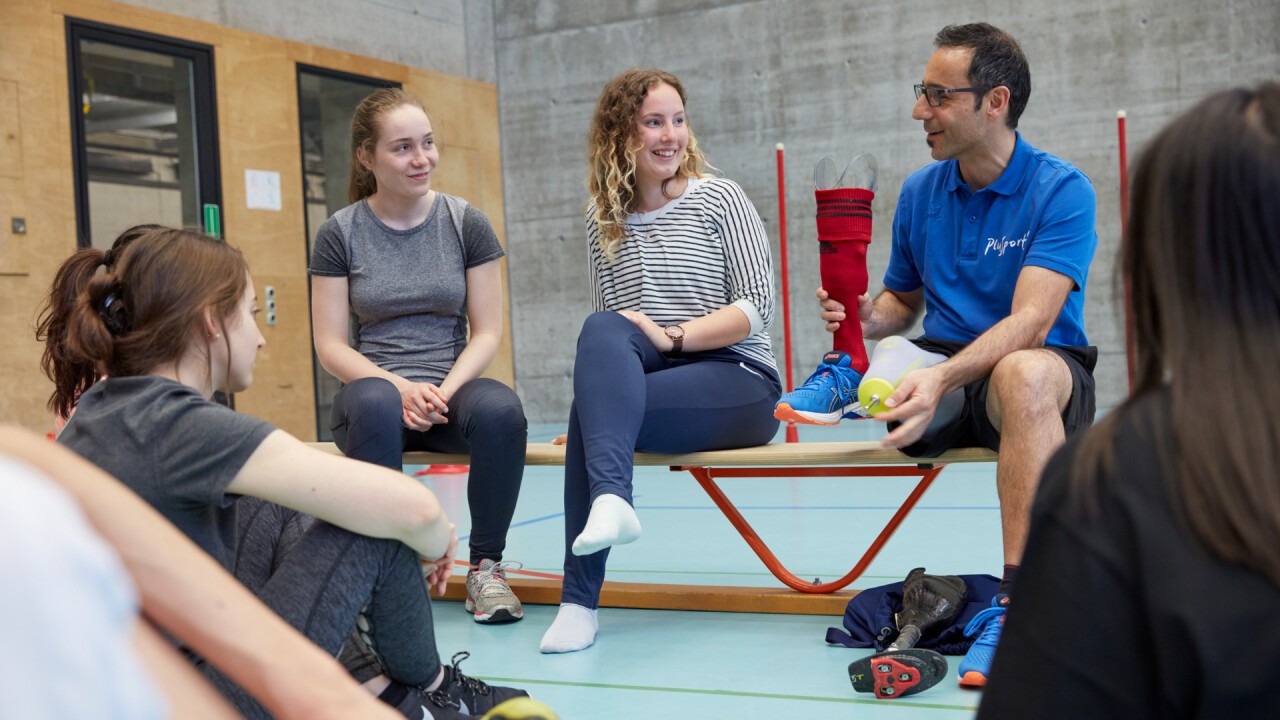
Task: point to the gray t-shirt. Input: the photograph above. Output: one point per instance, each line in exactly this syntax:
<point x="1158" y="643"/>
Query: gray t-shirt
<point x="407" y="288"/>
<point x="175" y="449"/>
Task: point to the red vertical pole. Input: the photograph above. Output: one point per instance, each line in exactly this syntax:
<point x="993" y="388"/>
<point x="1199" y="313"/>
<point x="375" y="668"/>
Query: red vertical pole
<point x="793" y="435"/>
<point x="1129" y="354"/>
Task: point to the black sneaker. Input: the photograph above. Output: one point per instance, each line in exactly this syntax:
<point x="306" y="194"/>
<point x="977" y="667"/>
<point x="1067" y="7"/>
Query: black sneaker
<point x="416" y="704"/>
<point x="897" y="673"/>
<point x="470" y="695"/>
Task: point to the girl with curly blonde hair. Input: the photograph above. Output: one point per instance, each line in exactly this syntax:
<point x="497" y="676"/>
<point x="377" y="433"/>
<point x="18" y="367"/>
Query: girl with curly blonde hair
<point x="611" y="153"/>
<point x="676" y="358"/>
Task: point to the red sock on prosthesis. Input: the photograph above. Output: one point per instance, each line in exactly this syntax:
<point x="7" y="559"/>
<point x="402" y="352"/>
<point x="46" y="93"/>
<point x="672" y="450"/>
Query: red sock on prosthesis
<point x="844" y="231"/>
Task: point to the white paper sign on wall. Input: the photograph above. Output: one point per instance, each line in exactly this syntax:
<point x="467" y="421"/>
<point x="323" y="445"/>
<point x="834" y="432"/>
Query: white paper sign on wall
<point x="262" y="189"/>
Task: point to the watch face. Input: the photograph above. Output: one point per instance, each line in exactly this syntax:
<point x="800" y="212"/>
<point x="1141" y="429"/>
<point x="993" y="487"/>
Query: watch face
<point x="674" y="331"/>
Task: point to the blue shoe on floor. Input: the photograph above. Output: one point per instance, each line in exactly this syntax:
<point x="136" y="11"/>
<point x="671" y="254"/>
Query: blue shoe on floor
<point x="987" y="625"/>
<point x="830" y="394"/>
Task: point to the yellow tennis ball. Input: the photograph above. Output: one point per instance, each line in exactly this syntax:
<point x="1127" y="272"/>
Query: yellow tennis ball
<point x="521" y="708"/>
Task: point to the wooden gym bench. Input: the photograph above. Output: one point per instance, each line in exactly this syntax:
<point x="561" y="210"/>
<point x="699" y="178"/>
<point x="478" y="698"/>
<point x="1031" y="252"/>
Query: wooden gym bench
<point x="809" y="459"/>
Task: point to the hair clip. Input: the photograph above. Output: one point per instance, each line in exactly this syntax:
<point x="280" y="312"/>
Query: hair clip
<point x="114" y="314"/>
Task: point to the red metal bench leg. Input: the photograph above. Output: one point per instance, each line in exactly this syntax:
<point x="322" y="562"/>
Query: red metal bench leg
<point x="704" y="478"/>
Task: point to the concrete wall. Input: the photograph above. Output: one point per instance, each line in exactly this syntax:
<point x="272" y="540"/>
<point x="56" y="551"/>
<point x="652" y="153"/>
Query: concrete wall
<point x="829" y="77"/>
<point x="454" y="37"/>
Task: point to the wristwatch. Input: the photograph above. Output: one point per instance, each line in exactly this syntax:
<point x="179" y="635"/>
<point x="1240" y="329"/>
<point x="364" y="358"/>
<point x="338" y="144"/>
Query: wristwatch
<point x="676" y="333"/>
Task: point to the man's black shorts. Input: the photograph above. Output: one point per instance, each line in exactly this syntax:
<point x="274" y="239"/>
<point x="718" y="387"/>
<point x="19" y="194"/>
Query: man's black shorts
<point x="973" y="427"/>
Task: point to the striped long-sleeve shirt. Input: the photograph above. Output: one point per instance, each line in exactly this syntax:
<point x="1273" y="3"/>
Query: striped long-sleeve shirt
<point x="703" y="251"/>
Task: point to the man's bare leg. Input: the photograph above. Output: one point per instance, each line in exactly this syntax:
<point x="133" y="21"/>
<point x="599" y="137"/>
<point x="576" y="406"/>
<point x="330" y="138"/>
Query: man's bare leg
<point x="1029" y="391"/>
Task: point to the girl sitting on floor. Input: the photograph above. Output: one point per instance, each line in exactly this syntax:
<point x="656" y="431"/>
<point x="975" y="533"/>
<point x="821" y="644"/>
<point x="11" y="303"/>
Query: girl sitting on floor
<point x="170" y="322"/>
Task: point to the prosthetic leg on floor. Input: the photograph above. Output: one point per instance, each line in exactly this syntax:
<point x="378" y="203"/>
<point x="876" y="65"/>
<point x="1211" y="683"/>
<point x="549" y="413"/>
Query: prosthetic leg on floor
<point x="928" y="602"/>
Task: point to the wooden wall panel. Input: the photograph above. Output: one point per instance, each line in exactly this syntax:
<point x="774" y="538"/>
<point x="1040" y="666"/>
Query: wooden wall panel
<point x="10" y="146"/>
<point x="283" y="384"/>
<point x="33" y="58"/>
<point x="346" y="62"/>
<point x="14" y="253"/>
<point x="258" y="130"/>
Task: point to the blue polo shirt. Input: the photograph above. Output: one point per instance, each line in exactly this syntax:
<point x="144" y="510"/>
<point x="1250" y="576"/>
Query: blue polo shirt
<point x="967" y="248"/>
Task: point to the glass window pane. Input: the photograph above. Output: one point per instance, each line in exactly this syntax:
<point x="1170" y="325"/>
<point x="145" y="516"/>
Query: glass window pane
<point x="140" y="139"/>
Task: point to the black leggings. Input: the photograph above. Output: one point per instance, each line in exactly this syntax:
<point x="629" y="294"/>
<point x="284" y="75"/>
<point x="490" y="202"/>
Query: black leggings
<point x="485" y="420"/>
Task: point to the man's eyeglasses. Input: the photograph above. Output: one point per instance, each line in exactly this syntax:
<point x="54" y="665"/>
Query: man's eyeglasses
<point x="935" y="93"/>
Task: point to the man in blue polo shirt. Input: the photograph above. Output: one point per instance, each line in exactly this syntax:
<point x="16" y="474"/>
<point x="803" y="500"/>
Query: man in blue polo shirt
<point x="993" y="244"/>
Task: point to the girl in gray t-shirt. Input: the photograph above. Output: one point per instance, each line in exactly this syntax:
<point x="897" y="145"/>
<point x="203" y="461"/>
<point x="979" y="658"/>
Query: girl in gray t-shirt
<point x="407" y="272"/>
<point x="320" y="539"/>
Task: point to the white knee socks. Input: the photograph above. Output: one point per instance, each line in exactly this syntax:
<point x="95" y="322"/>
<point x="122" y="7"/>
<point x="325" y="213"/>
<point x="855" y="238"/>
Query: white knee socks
<point x="573" y="629"/>
<point x="612" y="522"/>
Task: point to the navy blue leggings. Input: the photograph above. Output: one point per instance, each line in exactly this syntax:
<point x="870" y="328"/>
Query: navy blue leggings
<point x="627" y="396"/>
<point x="485" y="420"/>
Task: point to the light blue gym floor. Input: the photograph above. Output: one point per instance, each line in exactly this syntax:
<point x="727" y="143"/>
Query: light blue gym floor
<point x="669" y="664"/>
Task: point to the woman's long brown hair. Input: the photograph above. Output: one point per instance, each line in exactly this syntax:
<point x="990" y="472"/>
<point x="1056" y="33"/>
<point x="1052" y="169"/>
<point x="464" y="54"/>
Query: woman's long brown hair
<point x="1202" y="255"/>
<point x="142" y="312"/>
<point x="51" y="326"/>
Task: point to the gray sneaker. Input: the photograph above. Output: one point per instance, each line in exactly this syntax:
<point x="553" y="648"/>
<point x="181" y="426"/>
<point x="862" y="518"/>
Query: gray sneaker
<point x="489" y="597"/>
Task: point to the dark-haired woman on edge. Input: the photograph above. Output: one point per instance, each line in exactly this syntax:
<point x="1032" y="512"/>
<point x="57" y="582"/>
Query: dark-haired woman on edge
<point x="1151" y="582"/>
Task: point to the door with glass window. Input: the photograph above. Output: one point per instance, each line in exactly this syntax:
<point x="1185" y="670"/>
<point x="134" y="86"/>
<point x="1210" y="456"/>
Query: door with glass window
<point x="144" y="134"/>
<point x="144" y="130"/>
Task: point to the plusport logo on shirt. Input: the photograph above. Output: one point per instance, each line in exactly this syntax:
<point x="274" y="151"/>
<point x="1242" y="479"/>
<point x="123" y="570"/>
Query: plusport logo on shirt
<point x="1002" y="244"/>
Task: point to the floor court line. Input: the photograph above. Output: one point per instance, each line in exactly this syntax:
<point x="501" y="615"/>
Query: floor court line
<point x="663" y="571"/>
<point x="819" y="507"/>
<point x="553" y="516"/>
<point x="904" y="704"/>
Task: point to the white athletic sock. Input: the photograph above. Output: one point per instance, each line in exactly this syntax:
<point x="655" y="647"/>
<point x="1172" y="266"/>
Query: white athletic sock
<point x="573" y="629"/>
<point x="612" y="522"/>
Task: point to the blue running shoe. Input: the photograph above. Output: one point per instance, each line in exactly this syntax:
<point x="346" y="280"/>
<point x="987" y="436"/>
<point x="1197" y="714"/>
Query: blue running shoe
<point x="830" y="394"/>
<point x="987" y="625"/>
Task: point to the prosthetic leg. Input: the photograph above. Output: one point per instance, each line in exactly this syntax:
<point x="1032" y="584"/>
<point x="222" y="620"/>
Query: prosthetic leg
<point x="928" y="601"/>
<point x="897" y="673"/>
<point x="844" y="231"/>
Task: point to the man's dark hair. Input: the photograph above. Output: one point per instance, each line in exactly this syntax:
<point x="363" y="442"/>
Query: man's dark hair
<point x="997" y="60"/>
